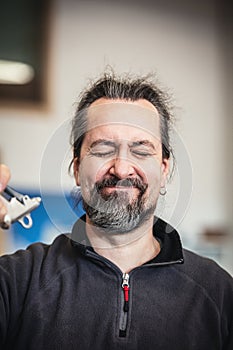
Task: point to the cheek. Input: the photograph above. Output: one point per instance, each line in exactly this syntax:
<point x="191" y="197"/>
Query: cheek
<point x="86" y="174"/>
<point x="102" y="169"/>
<point x="151" y="172"/>
<point x="91" y="171"/>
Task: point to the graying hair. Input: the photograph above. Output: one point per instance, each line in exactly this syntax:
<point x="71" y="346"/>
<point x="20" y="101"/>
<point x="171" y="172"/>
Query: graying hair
<point x="126" y="88"/>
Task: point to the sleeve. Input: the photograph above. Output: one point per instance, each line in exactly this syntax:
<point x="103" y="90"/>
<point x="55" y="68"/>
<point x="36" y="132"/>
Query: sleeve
<point x="14" y="279"/>
<point x="229" y="340"/>
<point x="5" y="297"/>
<point x="227" y="312"/>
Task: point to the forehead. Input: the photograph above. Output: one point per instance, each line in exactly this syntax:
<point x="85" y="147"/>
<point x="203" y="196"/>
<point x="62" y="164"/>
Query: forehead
<point x="123" y="119"/>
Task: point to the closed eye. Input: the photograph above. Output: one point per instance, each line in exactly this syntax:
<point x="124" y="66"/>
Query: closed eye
<point x="145" y="154"/>
<point x="102" y="148"/>
<point x="102" y="153"/>
<point x="143" y="149"/>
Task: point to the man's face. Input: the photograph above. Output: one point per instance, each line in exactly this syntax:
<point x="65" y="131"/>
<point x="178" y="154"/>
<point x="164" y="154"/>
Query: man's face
<point x="120" y="169"/>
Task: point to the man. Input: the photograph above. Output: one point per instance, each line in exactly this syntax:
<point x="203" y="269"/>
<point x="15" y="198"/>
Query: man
<point x="119" y="281"/>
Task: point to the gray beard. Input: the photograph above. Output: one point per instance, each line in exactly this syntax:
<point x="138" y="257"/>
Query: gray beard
<point x="115" y="213"/>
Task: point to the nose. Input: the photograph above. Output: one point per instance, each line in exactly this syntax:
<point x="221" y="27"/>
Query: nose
<point x="122" y="168"/>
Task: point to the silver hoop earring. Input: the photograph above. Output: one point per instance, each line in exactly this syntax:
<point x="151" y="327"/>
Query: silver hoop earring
<point x="163" y="191"/>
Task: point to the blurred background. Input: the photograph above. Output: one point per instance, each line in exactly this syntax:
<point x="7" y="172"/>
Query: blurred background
<point x="50" y="49"/>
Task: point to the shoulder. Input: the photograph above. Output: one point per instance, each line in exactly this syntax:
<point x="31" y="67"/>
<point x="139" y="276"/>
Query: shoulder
<point x="36" y="267"/>
<point x="34" y="256"/>
<point x="203" y="270"/>
<point x="200" y="267"/>
<point x="208" y="278"/>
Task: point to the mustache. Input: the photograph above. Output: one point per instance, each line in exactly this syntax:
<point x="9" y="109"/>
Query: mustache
<point x="128" y="182"/>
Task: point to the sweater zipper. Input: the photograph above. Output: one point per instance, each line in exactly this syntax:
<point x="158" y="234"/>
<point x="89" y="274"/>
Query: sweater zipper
<point x="125" y="309"/>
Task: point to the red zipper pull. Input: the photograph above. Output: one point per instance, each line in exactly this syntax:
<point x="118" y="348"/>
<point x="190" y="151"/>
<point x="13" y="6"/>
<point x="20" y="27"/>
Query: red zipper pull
<point x="125" y="286"/>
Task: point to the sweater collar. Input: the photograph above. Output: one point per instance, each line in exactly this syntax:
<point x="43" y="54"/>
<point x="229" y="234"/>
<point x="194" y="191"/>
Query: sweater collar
<point x="169" y="239"/>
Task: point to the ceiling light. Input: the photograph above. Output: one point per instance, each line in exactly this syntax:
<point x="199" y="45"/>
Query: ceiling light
<point x="16" y="73"/>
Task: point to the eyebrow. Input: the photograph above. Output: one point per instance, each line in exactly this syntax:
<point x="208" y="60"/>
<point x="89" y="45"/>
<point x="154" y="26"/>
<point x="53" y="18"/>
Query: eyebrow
<point x="142" y="143"/>
<point x="131" y="144"/>
<point x="103" y="142"/>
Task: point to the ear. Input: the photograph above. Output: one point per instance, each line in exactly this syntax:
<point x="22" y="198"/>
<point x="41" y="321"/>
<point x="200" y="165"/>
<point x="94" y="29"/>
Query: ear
<point x="164" y="171"/>
<point x="76" y="170"/>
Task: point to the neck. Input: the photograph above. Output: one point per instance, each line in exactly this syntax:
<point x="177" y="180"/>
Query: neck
<point x="126" y="250"/>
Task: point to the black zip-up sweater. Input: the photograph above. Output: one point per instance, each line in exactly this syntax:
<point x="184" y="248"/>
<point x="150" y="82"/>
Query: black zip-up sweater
<point x="65" y="296"/>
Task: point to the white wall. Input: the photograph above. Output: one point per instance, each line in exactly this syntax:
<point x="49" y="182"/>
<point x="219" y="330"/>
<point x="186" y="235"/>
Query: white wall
<point x="179" y="41"/>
